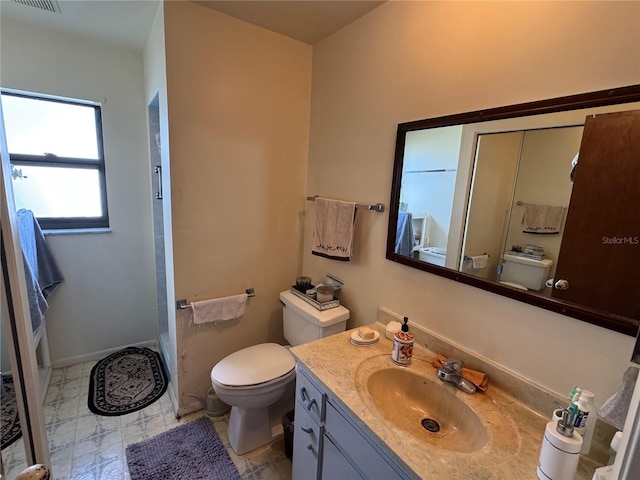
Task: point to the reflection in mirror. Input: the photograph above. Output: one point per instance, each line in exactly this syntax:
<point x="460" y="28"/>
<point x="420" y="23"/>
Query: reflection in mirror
<point x="483" y="197"/>
<point x="428" y="187"/>
<point x="520" y="192"/>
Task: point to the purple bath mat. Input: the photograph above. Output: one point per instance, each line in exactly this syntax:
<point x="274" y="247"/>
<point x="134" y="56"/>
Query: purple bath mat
<point x="188" y="452"/>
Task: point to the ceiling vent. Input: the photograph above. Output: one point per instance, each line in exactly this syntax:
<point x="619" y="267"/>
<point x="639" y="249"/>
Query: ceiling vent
<point x="47" y="5"/>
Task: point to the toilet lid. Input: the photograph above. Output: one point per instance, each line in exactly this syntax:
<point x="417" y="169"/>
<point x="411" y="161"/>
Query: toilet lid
<point x="253" y="365"/>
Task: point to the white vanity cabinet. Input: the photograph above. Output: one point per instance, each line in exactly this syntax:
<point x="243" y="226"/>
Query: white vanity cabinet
<point x="329" y="444"/>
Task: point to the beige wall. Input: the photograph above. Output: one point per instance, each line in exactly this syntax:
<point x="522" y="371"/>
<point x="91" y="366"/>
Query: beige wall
<point x="108" y="299"/>
<point x="238" y="99"/>
<point x="411" y="60"/>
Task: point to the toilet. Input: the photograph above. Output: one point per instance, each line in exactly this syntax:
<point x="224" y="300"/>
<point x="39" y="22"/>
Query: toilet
<point x="433" y="255"/>
<point x="524" y="273"/>
<point x="259" y="381"/>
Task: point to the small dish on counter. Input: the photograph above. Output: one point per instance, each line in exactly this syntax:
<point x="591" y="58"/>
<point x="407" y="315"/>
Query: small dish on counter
<point x="356" y="340"/>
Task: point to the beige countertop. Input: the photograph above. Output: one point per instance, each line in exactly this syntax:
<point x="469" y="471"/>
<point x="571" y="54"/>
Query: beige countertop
<point x="514" y="430"/>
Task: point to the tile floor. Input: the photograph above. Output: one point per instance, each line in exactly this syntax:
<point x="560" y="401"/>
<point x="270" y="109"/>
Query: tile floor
<point x="85" y="446"/>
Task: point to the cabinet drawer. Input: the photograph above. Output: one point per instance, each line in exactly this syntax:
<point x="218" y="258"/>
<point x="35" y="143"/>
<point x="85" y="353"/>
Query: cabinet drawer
<point x="307" y="442"/>
<point x="309" y="397"/>
<point x="356" y="447"/>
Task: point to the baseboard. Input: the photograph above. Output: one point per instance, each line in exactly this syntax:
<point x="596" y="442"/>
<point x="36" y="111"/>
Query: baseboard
<point x="95" y="356"/>
<point x="188" y="408"/>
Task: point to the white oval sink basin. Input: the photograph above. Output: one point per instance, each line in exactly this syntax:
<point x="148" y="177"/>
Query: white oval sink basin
<point x="436" y="413"/>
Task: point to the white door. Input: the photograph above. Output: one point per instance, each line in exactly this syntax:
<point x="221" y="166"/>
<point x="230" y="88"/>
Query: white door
<point x="15" y="312"/>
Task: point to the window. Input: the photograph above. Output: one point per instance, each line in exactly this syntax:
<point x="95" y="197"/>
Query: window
<point x="55" y="148"/>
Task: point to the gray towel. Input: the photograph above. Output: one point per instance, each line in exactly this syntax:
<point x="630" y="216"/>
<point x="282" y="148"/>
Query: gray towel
<point x="404" y="235"/>
<point x="41" y="272"/>
<point x="37" y="303"/>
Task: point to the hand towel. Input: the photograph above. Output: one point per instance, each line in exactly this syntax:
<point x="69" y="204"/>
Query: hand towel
<point x="479" y="261"/>
<point x="218" y="309"/>
<point x="479" y="379"/>
<point x="404" y="235"/>
<point x="333" y="236"/>
<point x="545" y="219"/>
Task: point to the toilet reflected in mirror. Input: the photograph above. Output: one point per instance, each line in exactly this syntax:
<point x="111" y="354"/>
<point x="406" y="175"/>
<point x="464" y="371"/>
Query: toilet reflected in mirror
<point x="524" y="273"/>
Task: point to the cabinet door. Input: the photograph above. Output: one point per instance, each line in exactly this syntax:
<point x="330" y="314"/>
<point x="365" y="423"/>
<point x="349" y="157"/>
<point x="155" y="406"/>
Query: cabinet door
<point x="335" y="465"/>
<point x="307" y="442"/>
<point x="356" y="447"/>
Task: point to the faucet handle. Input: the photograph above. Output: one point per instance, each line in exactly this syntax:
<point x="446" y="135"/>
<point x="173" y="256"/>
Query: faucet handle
<point x="452" y="364"/>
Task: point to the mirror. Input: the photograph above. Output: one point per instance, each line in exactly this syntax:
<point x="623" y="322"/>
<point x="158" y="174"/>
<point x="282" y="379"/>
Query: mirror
<point x="476" y="196"/>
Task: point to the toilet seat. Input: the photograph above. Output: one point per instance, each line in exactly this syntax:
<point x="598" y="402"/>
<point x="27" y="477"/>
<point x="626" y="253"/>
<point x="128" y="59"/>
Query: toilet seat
<point x="255" y="365"/>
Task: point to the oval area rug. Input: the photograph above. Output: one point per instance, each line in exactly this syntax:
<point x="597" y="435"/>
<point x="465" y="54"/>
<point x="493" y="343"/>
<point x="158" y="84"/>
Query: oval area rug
<point x="10" y="419"/>
<point x="126" y="381"/>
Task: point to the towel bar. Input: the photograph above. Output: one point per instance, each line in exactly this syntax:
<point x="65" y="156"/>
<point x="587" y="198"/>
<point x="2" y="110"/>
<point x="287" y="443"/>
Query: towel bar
<point x="467" y="257"/>
<point x="520" y="203"/>
<point x="183" y="305"/>
<point x="378" y="207"/>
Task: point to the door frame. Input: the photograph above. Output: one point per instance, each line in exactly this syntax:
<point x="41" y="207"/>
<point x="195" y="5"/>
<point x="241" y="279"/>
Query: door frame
<point x="15" y="310"/>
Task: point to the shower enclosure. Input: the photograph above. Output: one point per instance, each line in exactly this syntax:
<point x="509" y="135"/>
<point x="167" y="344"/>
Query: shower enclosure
<point x="158" y="231"/>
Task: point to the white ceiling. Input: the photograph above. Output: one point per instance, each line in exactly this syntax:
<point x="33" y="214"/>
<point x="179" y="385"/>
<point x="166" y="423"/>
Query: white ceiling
<point x="128" y="22"/>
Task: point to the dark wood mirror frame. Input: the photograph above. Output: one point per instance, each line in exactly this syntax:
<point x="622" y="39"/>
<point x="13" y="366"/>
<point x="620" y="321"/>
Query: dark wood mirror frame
<point x="601" y="98"/>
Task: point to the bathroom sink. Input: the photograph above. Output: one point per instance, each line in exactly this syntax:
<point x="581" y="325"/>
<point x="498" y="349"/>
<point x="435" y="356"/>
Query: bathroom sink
<point x="415" y="401"/>
<point x="424" y="409"/>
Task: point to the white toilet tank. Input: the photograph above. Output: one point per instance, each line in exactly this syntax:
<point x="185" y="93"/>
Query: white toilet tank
<point x="304" y="323"/>
<point x="527" y="272"/>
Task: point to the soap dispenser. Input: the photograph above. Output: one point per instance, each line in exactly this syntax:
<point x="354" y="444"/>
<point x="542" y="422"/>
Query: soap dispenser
<point x="561" y="445"/>
<point x="402" y="345"/>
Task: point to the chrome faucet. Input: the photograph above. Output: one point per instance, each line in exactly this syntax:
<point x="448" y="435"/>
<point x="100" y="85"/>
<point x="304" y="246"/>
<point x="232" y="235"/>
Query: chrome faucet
<point x="451" y="371"/>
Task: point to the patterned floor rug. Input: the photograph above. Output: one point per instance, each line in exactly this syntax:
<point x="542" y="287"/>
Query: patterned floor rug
<point x="9" y="413"/>
<point x="126" y="381"/>
<point x="190" y="451"/>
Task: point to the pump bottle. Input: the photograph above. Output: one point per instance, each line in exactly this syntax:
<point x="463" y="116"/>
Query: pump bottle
<point x="402" y="345"/>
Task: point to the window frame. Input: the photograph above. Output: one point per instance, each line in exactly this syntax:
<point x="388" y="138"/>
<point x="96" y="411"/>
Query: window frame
<point x="52" y="160"/>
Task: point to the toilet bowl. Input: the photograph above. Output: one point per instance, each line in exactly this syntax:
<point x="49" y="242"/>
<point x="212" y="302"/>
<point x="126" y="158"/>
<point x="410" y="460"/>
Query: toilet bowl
<point x="250" y="380"/>
<point x="259" y="381"/>
<point x="433" y="255"/>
